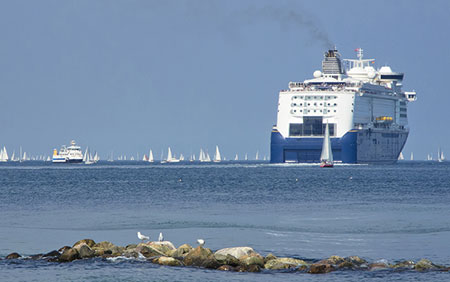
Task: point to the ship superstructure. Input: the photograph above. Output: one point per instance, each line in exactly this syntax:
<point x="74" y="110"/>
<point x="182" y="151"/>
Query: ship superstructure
<point x="365" y="109"/>
<point x="70" y="154"/>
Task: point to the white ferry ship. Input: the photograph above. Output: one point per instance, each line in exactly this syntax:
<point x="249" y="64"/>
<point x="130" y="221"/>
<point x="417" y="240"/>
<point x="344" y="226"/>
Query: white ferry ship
<point x="71" y="154"/>
<point x="365" y="108"/>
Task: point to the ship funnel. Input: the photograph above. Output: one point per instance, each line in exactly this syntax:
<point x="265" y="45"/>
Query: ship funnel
<point x="331" y="63"/>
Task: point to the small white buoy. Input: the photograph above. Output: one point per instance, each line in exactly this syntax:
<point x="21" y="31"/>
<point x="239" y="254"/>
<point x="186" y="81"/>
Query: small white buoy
<point x="160" y="238"/>
<point x="201" y="242"/>
<point x="142" y="237"/>
<point x="296" y="180"/>
<point x="179" y="180"/>
<point x="351" y="178"/>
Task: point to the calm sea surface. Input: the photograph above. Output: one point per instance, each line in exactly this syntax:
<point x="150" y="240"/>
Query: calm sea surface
<point x="391" y="212"/>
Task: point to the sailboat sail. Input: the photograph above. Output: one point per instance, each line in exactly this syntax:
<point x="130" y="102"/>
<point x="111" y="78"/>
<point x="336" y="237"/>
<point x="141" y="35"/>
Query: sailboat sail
<point x="326" y="158"/>
<point x="412" y="156"/>
<point x="217" y="157"/>
<point x="150" y="157"/>
<point x="400" y="157"/>
<point x="236" y="157"/>
<point x="169" y="155"/>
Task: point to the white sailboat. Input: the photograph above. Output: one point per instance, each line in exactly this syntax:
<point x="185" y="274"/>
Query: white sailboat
<point x="170" y="158"/>
<point x="236" y="158"/>
<point x="96" y="157"/>
<point x="3" y="155"/>
<point x="150" y="157"/>
<point x="246" y="157"/>
<point x="208" y="158"/>
<point x="400" y="157"/>
<point x="144" y="158"/>
<point x="412" y="156"/>
<point x="87" y="158"/>
<point x="326" y="158"/>
<point x="257" y="155"/>
<point x="217" y="157"/>
<point x="203" y="157"/>
<point x="441" y="157"/>
<point x="429" y="157"/>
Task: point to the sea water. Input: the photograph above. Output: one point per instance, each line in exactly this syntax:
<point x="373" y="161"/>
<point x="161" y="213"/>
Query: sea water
<point x="377" y="212"/>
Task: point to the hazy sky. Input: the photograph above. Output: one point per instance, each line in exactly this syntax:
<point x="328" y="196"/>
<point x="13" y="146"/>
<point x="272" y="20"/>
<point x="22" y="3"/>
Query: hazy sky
<point x="127" y="76"/>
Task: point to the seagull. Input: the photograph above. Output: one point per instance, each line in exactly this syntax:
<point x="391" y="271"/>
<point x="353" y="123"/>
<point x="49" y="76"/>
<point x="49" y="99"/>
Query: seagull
<point x="142" y="237"/>
<point x="201" y="242"/>
<point x="160" y="238"/>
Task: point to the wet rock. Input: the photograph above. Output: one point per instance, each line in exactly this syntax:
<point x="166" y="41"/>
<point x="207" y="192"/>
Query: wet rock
<point x="425" y="264"/>
<point x="201" y="257"/>
<point x="226" y="268"/>
<point x="237" y="252"/>
<point x="182" y="251"/>
<point x="62" y="249"/>
<point x="148" y="251"/>
<point x="355" y="260"/>
<point x="169" y="261"/>
<point x="405" y="264"/>
<point x="270" y="256"/>
<point x="347" y="264"/>
<point x="13" y="256"/>
<point x="335" y="260"/>
<point x="253" y="259"/>
<point x="105" y="245"/>
<point x="88" y="242"/>
<point x="248" y="268"/>
<point x="318" y="268"/>
<point x="52" y="254"/>
<point x="283" y="263"/>
<point x="131" y="253"/>
<point x="69" y="255"/>
<point x="85" y="251"/>
<point x="36" y="256"/>
<point x="227" y="260"/>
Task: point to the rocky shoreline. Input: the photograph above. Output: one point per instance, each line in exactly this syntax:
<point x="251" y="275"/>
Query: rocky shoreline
<point x="239" y="259"/>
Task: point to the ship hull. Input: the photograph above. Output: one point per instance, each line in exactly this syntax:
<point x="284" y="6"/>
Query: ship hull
<point x="356" y="146"/>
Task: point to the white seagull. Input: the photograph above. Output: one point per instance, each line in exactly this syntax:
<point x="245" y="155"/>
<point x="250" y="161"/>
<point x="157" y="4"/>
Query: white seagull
<point x="160" y="238"/>
<point x="201" y="242"/>
<point x="142" y="237"/>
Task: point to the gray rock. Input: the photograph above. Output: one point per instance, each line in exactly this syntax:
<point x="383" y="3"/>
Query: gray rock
<point x="88" y="242"/>
<point x="227" y="260"/>
<point x="283" y="263"/>
<point x="201" y="257"/>
<point x="237" y="252"/>
<point x="69" y="255"/>
<point x="169" y="261"/>
<point x="86" y="252"/>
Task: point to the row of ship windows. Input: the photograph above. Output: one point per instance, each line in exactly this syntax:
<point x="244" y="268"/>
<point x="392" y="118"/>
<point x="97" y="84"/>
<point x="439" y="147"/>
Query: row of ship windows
<point x="314" y="97"/>
<point x="308" y="111"/>
<point x="402" y="109"/>
<point x="315" y="104"/>
<point x="403" y="115"/>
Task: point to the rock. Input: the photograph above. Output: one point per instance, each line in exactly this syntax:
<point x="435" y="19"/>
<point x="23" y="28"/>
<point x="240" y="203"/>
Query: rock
<point x="226" y="268"/>
<point x="163" y="247"/>
<point x="86" y="252"/>
<point x="52" y="254"/>
<point x="249" y="268"/>
<point x="69" y="255"/>
<point x="88" y="242"/>
<point x="13" y="256"/>
<point x="131" y="246"/>
<point x="253" y="259"/>
<point x="347" y="264"/>
<point x="318" y="268"/>
<point x="148" y="251"/>
<point x="405" y="264"/>
<point x="335" y="260"/>
<point x="283" y="263"/>
<point x="201" y="257"/>
<point x="424" y="264"/>
<point x="99" y="253"/>
<point x="355" y="260"/>
<point x="61" y="250"/>
<point x="270" y="256"/>
<point x="169" y="261"/>
<point x="108" y="246"/>
<point x="227" y="260"/>
<point x="131" y="253"/>
<point x="236" y="252"/>
<point x="105" y="245"/>
<point x="182" y="251"/>
<point x="36" y="256"/>
<point x="378" y="266"/>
